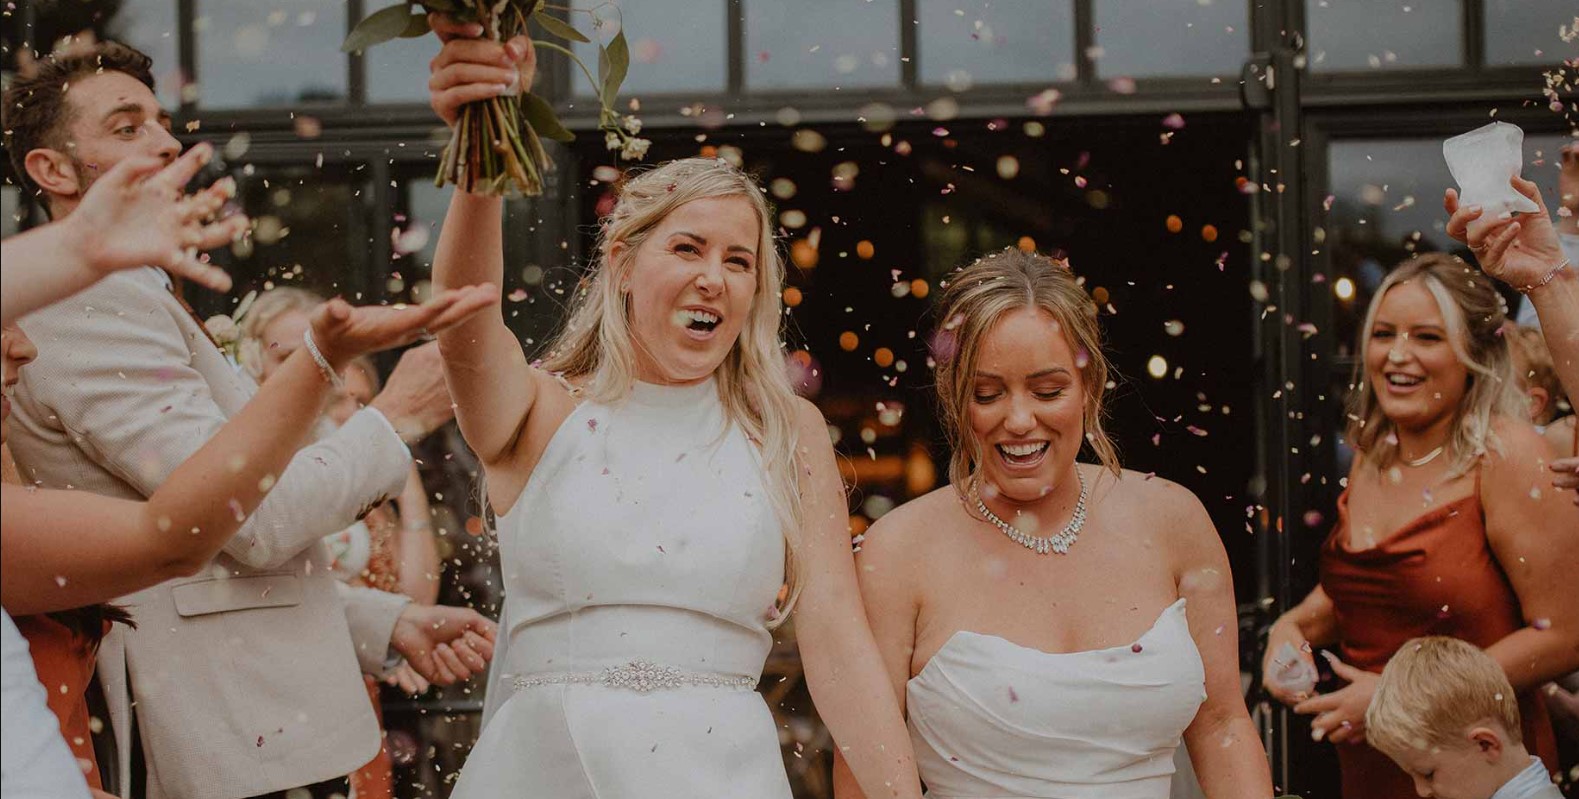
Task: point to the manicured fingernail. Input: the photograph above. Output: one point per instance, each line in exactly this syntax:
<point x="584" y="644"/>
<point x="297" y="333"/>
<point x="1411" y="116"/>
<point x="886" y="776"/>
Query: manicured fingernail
<point x="1317" y="734"/>
<point x="1474" y="209"/>
<point x="1505" y="215"/>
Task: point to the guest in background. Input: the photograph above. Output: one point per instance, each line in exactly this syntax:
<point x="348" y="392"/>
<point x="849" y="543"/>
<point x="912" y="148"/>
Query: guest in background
<point x="1445" y="713"/>
<point x="388" y="549"/>
<point x="1447" y="526"/>
<point x="1535" y="256"/>
<point x="1550" y="409"/>
<point x="117" y="402"/>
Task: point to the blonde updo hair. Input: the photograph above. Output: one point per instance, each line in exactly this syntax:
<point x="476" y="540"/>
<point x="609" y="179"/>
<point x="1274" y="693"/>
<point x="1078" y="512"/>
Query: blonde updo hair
<point x="753" y="384"/>
<point x="1474" y="314"/>
<point x="264" y="309"/>
<point x="976" y="298"/>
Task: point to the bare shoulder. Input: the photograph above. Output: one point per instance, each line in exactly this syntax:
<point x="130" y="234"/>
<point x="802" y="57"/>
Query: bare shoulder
<point x="809" y="419"/>
<point x="1519" y="450"/>
<point x="900" y="542"/>
<point x="909" y="526"/>
<point x="1157" y="499"/>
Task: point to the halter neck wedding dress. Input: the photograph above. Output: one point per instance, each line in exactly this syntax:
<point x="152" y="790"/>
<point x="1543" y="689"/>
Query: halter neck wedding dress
<point x="640" y="564"/>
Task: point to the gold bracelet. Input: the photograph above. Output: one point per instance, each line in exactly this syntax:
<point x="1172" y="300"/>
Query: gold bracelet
<point x="1550" y="276"/>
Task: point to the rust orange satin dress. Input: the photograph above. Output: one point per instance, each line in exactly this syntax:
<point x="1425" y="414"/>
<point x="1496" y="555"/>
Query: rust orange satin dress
<point x="64" y="661"/>
<point x="1436" y="575"/>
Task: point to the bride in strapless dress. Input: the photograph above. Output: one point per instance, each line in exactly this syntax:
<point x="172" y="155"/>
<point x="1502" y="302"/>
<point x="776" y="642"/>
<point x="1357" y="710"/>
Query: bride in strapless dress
<point x="656" y="483"/>
<point x="1051" y="628"/>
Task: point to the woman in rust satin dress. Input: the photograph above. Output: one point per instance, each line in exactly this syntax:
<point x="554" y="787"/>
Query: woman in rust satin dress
<point x="1449" y="524"/>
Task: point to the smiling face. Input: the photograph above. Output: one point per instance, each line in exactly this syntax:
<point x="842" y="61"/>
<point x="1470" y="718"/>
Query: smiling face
<point x="18" y="351"/>
<point x="1027" y="404"/>
<point x="1410" y="364"/>
<point x="689" y="288"/>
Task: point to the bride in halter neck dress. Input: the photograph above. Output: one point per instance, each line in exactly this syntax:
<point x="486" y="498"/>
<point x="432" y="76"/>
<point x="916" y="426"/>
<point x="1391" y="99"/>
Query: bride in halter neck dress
<point x="1051" y="628"/>
<point x="656" y="484"/>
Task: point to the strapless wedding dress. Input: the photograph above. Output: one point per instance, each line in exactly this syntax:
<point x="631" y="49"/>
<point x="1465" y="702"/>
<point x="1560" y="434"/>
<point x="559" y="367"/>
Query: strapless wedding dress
<point x="639" y="566"/>
<point x="990" y="718"/>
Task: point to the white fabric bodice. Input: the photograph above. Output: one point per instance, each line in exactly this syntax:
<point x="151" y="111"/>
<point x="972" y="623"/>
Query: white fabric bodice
<point x="644" y="533"/>
<point x="991" y="718"/>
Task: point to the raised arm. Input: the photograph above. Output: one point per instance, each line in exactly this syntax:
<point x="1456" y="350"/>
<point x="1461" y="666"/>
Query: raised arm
<point x="845" y="671"/>
<point x="493" y="386"/>
<point x="134" y="216"/>
<point x="1534" y="532"/>
<point x="1525" y="253"/>
<point x="66" y="549"/>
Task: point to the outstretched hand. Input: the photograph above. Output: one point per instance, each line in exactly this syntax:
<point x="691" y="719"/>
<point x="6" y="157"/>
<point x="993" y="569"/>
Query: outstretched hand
<point x="137" y="214"/>
<point x="1518" y="250"/>
<point x="343" y="332"/>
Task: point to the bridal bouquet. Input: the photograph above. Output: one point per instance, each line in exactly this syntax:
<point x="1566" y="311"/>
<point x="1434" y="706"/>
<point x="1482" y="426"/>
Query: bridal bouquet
<point x="496" y="147"/>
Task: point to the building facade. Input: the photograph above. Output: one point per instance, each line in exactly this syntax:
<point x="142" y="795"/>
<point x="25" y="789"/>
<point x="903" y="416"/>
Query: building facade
<point x="1232" y="178"/>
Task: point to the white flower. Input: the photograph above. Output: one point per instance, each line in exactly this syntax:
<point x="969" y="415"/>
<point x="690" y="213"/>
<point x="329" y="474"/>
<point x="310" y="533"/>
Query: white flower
<point x="223" y="329"/>
<point x="613" y="141"/>
<point x="632" y="125"/>
<point x="635" y="149"/>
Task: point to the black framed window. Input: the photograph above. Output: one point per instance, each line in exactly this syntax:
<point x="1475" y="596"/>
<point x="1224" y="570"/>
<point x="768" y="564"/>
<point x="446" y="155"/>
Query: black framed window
<point x="1527" y="32"/>
<point x="675" y="45"/>
<point x="1171" y="38"/>
<point x="1347" y="36"/>
<point x="255" y="55"/>
<point x="821" y="45"/>
<point x="962" y="44"/>
<point x="397" y="71"/>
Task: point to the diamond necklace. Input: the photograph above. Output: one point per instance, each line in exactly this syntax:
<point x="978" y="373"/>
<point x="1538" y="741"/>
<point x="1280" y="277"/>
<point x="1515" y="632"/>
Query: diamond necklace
<point x="1058" y="542"/>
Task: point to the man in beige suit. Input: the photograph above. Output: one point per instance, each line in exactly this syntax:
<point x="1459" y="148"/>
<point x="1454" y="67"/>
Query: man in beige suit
<point x="246" y="677"/>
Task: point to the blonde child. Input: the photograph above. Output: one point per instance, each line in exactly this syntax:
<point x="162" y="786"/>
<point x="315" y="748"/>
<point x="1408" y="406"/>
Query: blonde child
<point x="1445" y="713"/>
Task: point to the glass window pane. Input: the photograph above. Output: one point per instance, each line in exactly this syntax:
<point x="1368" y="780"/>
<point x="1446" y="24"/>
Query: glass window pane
<point x="312" y="231"/>
<point x="270" y="54"/>
<point x="1171" y="37"/>
<point x="1526" y="32"/>
<point x="397" y="71"/>
<point x="806" y="45"/>
<point x="676" y="46"/>
<point x="1009" y="41"/>
<point x="150" y="27"/>
<point x="1386" y="202"/>
<point x="1386" y="34"/>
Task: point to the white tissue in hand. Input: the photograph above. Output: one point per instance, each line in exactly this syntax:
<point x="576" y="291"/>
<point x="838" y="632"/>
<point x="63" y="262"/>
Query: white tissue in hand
<point x="1292" y="672"/>
<point x="1483" y="161"/>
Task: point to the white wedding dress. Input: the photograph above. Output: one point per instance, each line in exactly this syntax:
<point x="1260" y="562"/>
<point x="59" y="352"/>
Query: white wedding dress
<point x="990" y="718"/>
<point x="639" y="564"/>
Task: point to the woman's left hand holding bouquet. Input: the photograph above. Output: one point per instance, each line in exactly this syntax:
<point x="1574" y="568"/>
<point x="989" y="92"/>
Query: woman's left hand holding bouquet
<point x="470" y="68"/>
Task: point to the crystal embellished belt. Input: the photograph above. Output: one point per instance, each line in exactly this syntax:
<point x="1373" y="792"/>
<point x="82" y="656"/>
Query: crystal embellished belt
<point x="640" y="676"/>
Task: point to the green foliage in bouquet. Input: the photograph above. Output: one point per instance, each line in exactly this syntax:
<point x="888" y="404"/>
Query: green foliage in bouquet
<point x="496" y="147"/>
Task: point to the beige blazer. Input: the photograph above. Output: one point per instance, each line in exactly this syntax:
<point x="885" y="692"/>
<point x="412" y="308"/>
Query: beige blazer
<point x="246" y="678"/>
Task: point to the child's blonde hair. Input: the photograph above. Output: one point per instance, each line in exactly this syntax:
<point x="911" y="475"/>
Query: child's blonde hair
<point x="1532" y="362"/>
<point x="1432" y="691"/>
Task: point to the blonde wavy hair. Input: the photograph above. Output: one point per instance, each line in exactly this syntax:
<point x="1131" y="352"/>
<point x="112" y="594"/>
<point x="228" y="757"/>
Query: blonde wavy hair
<point x="1432" y="691"/>
<point x="263" y="310"/>
<point x="597" y="346"/>
<point x="975" y="299"/>
<point x="1474" y="314"/>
